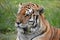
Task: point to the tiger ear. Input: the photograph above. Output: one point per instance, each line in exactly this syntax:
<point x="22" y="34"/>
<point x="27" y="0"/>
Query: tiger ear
<point x="41" y="10"/>
<point x="20" y="5"/>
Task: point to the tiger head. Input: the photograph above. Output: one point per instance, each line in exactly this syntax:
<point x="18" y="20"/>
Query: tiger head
<point x="28" y="17"/>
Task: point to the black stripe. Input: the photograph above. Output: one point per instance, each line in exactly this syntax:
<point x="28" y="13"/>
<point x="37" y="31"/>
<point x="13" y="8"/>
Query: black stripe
<point x="36" y="18"/>
<point x="40" y="34"/>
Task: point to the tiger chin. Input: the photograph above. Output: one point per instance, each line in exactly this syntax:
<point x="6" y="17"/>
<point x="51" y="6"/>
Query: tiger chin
<point x="32" y="25"/>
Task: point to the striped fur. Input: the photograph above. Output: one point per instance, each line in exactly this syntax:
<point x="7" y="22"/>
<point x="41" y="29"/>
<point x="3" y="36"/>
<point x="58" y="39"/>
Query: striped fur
<point x="32" y="25"/>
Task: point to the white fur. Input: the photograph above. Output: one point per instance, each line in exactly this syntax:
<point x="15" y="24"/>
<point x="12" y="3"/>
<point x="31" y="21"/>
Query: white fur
<point x="29" y="11"/>
<point x="31" y="19"/>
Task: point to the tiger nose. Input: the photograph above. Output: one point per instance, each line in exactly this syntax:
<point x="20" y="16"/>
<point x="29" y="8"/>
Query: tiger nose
<point x="18" y="23"/>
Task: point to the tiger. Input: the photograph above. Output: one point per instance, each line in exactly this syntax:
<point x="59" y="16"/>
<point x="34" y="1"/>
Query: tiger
<point x="31" y="24"/>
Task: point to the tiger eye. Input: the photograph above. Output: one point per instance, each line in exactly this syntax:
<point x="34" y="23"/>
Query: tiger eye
<point x="27" y="15"/>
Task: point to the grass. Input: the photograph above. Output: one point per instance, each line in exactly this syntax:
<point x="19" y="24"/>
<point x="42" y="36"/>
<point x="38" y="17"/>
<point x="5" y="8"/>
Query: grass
<point x="8" y="36"/>
<point x="8" y="9"/>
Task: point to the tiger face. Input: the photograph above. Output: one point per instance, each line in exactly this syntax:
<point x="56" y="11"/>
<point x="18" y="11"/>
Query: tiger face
<point x="28" y="18"/>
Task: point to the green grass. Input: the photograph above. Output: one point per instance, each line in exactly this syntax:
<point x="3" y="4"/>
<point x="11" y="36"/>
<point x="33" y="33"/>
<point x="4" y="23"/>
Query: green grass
<point x="8" y="36"/>
<point x="8" y="9"/>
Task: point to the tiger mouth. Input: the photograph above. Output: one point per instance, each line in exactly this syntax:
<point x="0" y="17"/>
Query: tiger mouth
<point x="28" y="28"/>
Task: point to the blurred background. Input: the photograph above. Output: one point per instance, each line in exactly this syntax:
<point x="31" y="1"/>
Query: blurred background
<point x="9" y="8"/>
